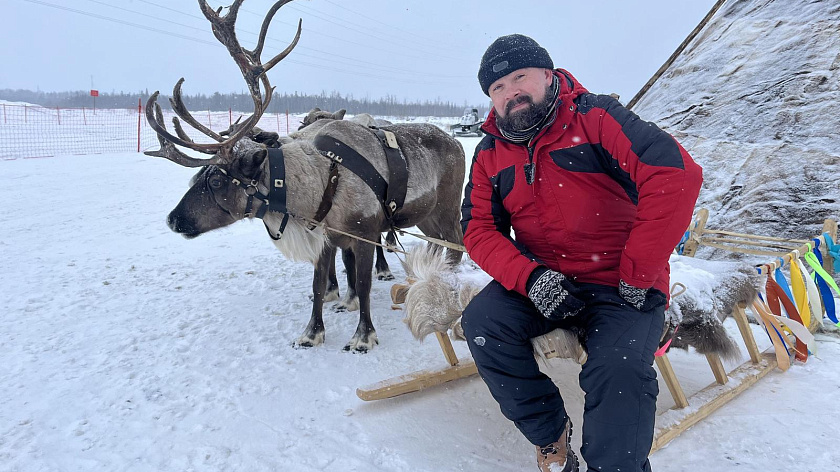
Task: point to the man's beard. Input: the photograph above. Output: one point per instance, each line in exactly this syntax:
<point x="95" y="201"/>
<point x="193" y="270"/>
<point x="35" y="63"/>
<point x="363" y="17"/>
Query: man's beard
<point x="527" y="117"/>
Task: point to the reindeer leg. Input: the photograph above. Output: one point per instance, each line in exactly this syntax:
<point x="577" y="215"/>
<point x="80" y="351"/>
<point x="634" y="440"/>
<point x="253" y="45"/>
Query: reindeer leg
<point x="351" y="300"/>
<point x="313" y="335"/>
<point x="383" y="272"/>
<point x="445" y="224"/>
<point x="332" y="294"/>
<point x="365" y="337"/>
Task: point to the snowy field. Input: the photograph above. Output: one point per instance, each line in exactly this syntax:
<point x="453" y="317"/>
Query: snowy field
<point x="125" y="347"/>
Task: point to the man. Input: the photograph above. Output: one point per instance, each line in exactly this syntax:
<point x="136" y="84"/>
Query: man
<point x="597" y="200"/>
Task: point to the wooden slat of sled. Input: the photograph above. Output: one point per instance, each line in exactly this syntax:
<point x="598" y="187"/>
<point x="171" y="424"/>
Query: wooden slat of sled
<point x="416" y="381"/>
<point x="670" y="378"/>
<point x="717" y="368"/>
<point x="740" y="315"/>
<point x="748" y="374"/>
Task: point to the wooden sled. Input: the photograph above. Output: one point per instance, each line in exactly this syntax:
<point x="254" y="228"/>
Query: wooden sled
<point x="670" y="424"/>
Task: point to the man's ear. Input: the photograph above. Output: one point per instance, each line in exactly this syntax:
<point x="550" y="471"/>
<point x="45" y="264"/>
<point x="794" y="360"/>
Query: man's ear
<point x="549" y="74"/>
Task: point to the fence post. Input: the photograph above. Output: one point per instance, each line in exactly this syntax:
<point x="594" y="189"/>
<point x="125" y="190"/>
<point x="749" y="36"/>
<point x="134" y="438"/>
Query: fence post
<point x="139" y="113"/>
<point x="230" y="116"/>
<point x="24" y="114"/>
<point x="287" y="121"/>
<point x="84" y="118"/>
<point x="209" y="122"/>
<point x="58" y="114"/>
<point x="4" y="113"/>
<point x="277" y="115"/>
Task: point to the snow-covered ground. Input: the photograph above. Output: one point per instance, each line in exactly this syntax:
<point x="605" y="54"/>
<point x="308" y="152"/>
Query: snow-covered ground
<point x="125" y="347"/>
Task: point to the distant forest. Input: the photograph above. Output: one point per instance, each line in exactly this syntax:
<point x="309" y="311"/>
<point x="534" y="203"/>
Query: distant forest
<point x="280" y="103"/>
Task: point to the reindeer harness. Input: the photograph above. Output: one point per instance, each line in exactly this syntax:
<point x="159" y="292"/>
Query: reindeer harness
<point x="391" y="193"/>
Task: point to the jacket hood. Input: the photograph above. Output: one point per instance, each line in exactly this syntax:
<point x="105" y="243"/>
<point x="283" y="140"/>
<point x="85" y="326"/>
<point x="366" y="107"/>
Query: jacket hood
<point x="570" y="89"/>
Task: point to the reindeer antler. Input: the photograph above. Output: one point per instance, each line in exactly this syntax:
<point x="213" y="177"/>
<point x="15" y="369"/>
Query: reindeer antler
<point x="254" y="73"/>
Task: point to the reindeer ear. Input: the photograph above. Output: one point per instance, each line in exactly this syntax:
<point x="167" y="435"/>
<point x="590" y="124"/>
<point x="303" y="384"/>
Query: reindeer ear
<point x="339" y="115"/>
<point x="315" y="109"/>
<point x="252" y="161"/>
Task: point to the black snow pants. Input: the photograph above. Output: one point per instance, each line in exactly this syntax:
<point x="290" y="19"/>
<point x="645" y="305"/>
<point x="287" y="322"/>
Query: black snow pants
<point x="618" y="377"/>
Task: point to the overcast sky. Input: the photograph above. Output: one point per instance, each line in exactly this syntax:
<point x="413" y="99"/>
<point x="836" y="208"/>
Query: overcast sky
<point x="414" y="49"/>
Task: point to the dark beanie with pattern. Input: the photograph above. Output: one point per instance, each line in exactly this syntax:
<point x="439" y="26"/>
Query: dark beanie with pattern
<point x="507" y="54"/>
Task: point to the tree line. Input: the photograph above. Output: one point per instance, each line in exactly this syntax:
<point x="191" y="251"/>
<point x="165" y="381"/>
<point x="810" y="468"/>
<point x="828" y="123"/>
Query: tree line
<point x="280" y="103"/>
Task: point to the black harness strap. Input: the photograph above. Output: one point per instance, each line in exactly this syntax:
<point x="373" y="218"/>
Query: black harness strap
<point x="329" y="194"/>
<point x="343" y="154"/>
<point x="276" y="182"/>
<point x="397" y="170"/>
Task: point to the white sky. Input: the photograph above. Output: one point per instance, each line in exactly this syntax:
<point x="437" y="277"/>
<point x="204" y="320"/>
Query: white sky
<point x="415" y="49"/>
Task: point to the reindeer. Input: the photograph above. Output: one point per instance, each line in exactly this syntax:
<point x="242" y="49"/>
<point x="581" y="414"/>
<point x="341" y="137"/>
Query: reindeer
<point x="236" y="182"/>
<point x="363" y="119"/>
<point x="383" y="272"/>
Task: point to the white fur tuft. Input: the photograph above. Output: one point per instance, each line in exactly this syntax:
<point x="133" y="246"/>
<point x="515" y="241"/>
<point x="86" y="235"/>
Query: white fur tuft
<point x="437" y="298"/>
<point x="299" y="243"/>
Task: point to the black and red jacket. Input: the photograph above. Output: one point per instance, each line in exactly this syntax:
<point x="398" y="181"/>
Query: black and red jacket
<point x="611" y="196"/>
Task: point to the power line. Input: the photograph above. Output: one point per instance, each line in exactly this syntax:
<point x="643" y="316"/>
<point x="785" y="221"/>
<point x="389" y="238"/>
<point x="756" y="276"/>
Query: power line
<point x="369" y="32"/>
<point x="353" y="62"/>
<point x="387" y="24"/>
<point x="216" y="44"/>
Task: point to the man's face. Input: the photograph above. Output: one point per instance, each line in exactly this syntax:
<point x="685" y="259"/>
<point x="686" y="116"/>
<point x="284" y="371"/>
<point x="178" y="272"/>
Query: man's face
<point x="515" y="95"/>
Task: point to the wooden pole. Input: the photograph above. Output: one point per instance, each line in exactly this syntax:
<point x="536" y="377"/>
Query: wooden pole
<point x="782" y="246"/>
<point x="739" y="312"/>
<point x="675" y="54"/>
<point x="753" y="236"/>
<point x="670" y="378"/>
<point x="717" y="368"/>
<point x="139" y="114"/>
<point x="695" y="230"/>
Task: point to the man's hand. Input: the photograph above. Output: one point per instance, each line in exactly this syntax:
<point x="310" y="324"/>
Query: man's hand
<point x="552" y="294"/>
<point x="643" y="299"/>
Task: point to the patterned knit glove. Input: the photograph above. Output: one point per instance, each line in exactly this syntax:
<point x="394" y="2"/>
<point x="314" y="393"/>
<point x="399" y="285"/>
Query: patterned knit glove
<point x="643" y="299"/>
<point x="552" y="294"/>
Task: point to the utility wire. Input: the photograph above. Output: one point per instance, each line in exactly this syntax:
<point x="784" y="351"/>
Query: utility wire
<point x="389" y="25"/>
<point x="320" y="67"/>
<point x="368" y="32"/>
<point x="352" y="62"/>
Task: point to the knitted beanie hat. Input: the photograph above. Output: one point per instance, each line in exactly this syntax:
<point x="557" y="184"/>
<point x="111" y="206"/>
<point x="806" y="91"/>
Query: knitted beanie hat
<point x="510" y="53"/>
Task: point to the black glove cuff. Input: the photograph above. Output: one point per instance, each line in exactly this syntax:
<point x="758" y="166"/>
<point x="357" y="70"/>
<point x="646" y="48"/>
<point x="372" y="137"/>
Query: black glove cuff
<point x="535" y="274"/>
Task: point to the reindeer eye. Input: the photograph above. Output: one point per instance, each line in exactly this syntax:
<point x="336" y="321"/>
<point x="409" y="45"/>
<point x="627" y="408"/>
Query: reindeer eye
<point x="216" y="182"/>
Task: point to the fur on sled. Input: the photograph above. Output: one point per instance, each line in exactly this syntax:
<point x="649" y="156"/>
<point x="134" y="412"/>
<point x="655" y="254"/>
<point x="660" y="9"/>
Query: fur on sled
<point x="713" y="289"/>
<point x="437" y="296"/>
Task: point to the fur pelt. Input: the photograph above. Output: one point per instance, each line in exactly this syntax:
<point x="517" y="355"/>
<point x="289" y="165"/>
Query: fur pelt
<point x="716" y="288"/>
<point x="437" y="296"/>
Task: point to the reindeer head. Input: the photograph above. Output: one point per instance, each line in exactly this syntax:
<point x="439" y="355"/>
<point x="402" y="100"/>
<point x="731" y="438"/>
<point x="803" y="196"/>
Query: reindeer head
<point x="317" y="114"/>
<point x="219" y="193"/>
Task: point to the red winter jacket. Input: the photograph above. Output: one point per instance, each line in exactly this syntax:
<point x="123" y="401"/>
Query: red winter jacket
<point x="612" y="196"/>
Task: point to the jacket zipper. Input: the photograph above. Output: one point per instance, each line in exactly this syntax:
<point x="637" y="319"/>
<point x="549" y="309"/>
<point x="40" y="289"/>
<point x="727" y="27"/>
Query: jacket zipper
<point x="530" y="168"/>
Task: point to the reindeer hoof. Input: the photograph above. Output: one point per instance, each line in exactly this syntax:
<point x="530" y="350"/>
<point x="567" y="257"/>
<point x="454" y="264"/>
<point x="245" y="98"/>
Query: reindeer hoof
<point x="347" y="305"/>
<point x="384" y="275"/>
<point x="310" y="340"/>
<point x="330" y="296"/>
<point x="362" y="346"/>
